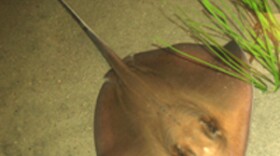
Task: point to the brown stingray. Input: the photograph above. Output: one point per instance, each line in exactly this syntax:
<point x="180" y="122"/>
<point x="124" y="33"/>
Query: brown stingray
<point x="157" y="103"/>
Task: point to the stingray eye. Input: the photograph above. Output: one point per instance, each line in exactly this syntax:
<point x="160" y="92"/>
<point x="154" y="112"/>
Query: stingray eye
<point x="179" y="151"/>
<point x="210" y="127"/>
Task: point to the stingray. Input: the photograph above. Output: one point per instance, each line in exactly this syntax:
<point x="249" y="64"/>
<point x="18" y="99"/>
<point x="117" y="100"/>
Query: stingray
<point x="159" y="103"/>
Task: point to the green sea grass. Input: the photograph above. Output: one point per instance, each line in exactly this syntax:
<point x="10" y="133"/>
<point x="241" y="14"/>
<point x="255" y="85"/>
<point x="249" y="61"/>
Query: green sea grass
<point x="255" y="29"/>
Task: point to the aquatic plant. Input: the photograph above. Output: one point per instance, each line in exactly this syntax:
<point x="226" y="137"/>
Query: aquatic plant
<point x="254" y="28"/>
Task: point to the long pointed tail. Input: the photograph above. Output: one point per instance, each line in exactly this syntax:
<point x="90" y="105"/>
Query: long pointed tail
<point x="114" y="61"/>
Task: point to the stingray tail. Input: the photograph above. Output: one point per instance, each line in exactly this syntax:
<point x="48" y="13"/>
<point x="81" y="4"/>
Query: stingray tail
<point x="114" y="61"/>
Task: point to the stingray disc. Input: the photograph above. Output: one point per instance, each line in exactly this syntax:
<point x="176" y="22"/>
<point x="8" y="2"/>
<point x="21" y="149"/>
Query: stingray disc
<point x="185" y="109"/>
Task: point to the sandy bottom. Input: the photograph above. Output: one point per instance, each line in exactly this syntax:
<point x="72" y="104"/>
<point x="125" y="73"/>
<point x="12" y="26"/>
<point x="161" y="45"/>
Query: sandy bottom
<point x="50" y="73"/>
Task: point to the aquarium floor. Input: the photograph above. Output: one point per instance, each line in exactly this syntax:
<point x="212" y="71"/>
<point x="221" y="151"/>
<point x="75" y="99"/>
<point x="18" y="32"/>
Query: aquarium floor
<point x="50" y="73"/>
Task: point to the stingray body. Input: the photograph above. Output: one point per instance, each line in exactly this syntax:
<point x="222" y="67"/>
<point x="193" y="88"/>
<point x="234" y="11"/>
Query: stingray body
<point x="157" y="103"/>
